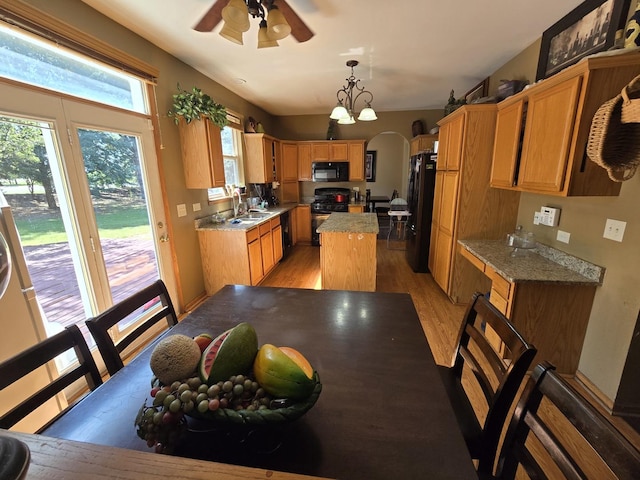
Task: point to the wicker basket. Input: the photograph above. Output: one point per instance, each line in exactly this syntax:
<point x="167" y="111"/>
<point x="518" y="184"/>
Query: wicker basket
<point x="262" y="417"/>
<point x="614" y="138"/>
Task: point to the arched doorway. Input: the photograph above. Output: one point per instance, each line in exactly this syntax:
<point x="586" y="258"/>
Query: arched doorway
<point x="392" y="164"/>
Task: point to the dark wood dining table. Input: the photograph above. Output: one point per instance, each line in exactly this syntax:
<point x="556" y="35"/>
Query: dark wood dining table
<point x="382" y="413"/>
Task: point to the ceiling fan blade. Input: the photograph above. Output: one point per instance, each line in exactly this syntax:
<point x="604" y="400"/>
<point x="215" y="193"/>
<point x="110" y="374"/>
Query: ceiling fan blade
<point x="299" y="29"/>
<point x="213" y="16"/>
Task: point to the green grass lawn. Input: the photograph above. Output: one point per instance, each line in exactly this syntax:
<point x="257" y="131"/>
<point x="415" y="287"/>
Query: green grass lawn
<point x="120" y="222"/>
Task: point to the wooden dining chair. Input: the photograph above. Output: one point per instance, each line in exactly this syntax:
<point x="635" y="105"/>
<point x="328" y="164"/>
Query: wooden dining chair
<point x="154" y="296"/>
<point x="494" y="371"/>
<point x="560" y="402"/>
<point x="22" y="364"/>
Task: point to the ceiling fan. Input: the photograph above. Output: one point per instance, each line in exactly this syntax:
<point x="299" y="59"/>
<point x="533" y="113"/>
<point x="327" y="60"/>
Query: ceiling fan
<point x="257" y="8"/>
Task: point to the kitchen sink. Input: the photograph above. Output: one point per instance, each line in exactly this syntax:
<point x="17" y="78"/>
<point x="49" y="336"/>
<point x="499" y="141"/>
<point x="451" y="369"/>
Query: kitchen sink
<point x="254" y="216"/>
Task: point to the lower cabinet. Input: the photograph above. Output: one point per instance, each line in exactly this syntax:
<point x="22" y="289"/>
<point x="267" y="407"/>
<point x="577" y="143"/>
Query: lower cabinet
<point x="239" y="257"/>
<point x="356" y="208"/>
<point x="553" y="316"/>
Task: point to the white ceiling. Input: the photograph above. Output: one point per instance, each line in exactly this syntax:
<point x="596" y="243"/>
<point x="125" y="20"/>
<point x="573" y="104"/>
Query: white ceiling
<point x="412" y="53"/>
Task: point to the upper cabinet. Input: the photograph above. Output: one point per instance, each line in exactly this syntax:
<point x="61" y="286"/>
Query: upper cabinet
<point x="289" y="162"/>
<point x="356" y="161"/>
<point x="201" y="154"/>
<point x="422" y="143"/>
<point x="263" y="157"/>
<point x="304" y="161"/>
<point x="542" y="132"/>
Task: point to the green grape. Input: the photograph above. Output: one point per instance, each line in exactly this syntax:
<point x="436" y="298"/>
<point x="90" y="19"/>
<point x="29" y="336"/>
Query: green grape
<point x="175" y="405"/>
<point x="203" y="388"/>
<point x="185" y="396"/>
<point x="227" y="386"/>
<point x="203" y="406"/>
<point x="168" y="400"/>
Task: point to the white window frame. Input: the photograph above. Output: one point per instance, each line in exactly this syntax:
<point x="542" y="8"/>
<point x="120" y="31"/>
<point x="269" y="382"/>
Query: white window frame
<point x="219" y="194"/>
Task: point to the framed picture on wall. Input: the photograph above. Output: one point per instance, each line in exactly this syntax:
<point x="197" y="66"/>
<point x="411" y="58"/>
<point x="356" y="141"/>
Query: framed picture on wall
<point x="370" y="166"/>
<point x="589" y="28"/>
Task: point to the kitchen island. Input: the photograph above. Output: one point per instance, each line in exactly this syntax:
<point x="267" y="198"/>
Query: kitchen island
<point x="348" y="251"/>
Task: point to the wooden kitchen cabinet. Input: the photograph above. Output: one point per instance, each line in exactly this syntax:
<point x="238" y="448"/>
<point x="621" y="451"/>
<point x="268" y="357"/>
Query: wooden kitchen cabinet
<point x="240" y="257"/>
<point x="266" y="242"/>
<point x="356" y="208"/>
<point x="356" y="161"/>
<point x="304" y="161"/>
<point x="464" y="204"/>
<point x="289" y="178"/>
<point x="278" y="247"/>
<point x="263" y="158"/>
<point x="542" y="132"/>
<point x="551" y="315"/>
<point x="289" y="162"/>
<point x="422" y="143"/>
<point x="201" y="148"/>
<point x="303" y="223"/>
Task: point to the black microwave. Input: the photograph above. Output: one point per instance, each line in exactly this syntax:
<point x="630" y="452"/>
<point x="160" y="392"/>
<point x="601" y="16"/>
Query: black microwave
<point x="330" y="171"/>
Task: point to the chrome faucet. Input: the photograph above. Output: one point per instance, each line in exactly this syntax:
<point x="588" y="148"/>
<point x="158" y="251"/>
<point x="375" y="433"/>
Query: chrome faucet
<point x="236" y="207"/>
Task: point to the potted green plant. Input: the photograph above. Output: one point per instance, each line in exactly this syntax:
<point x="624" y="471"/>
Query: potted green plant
<point x="194" y="104"/>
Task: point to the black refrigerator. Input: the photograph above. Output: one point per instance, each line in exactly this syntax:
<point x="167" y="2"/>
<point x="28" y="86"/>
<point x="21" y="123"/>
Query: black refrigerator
<point x="420" y="190"/>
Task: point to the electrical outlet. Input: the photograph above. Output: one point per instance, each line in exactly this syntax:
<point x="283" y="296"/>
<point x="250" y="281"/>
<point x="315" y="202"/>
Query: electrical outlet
<point x="563" y="236"/>
<point x="614" y="229"/>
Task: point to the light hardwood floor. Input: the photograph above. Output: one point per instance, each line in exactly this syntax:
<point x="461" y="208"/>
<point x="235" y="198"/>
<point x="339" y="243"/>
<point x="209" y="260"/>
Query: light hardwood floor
<point x="440" y="318"/>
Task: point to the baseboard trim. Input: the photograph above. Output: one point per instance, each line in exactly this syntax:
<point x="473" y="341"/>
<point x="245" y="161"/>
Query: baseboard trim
<point x="595" y="392"/>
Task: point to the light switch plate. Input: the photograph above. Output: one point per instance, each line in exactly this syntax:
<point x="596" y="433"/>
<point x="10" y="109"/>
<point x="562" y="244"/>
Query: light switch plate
<point x="614" y="229"/>
<point x="196" y="207"/>
<point x="563" y="236"/>
<point x="182" y="210"/>
<point x="536" y="218"/>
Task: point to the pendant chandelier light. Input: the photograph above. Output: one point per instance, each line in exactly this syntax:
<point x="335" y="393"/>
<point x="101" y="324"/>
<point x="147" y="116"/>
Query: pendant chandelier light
<point x="344" y="110"/>
<point x="273" y="25"/>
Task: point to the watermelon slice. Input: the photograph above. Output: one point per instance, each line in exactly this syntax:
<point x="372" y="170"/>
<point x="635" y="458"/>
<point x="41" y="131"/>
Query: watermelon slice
<point x="230" y="353"/>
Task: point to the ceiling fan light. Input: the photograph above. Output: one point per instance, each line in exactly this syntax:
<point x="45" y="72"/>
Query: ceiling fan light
<point x="264" y="41"/>
<point x="277" y="26"/>
<point x="236" y="15"/>
<point x="231" y="34"/>
<point x="348" y="120"/>
<point x="339" y="112"/>
<point x="367" y="114"/>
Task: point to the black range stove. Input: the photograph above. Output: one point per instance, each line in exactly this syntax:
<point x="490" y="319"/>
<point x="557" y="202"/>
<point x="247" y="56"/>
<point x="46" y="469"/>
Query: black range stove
<point x="326" y="201"/>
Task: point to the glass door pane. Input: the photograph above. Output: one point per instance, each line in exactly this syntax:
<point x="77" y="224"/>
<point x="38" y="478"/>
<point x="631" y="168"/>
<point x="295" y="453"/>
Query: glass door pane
<point x="112" y="165"/>
<point x="31" y="180"/>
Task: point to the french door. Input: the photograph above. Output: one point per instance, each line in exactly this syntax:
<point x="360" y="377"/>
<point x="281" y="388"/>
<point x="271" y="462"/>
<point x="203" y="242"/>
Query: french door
<point x="97" y="232"/>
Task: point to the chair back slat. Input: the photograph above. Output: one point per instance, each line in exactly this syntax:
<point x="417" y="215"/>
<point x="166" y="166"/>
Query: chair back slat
<point x="498" y="376"/>
<point x="100" y="325"/>
<point x="614" y="450"/>
<point x="20" y="365"/>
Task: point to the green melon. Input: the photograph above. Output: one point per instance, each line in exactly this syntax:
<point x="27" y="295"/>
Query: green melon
<point x="230" y="353"/>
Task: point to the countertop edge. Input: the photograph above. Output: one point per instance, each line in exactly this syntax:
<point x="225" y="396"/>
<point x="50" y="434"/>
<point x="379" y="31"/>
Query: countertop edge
<point x="581" y="271"/>
<point x="205" y="224"/>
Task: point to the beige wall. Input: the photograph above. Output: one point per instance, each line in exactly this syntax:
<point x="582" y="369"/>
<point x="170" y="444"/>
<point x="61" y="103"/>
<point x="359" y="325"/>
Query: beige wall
<point x="617" y="302"/>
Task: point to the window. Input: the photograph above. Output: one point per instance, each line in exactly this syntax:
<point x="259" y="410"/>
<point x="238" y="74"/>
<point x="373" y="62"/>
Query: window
<point x="232" y="156"/>
<point x="33" y="61"/>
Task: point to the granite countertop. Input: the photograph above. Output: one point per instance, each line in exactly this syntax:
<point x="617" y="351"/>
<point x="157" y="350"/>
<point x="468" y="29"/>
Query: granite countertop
<point x="207" y="223"/>
<point x="350" y="223"/>
<point x="541" y="264"/>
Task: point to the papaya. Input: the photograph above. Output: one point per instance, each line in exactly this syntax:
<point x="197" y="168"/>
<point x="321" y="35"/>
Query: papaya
<point x="230" y="353"/>
<point x="283" y="372"/>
